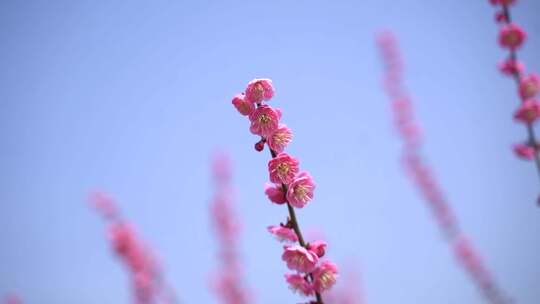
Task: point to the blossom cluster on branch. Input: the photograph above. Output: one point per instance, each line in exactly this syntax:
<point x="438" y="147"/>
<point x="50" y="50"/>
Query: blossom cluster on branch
<point x="288" y="186"/>
<point x="511" y="38"/>
<point x="423" y="177"/>
<point x="146" y="277"/>
<point x="227" y="281"/>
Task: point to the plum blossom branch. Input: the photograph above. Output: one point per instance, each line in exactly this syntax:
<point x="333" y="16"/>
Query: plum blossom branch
<point x="423" y="177"/>
<point x="149" y="285"/>
<point x="227" y="282"/>
<point x="289" y="186"/>
<point x="512" y="37"/>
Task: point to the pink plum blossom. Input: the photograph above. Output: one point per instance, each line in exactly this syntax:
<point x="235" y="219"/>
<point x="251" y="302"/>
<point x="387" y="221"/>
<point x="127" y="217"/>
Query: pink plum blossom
<point x="264" y="120"/>
<point x="283" y="233"/>
<point x="299" y="284"/>
<point x="280" y="138"/>
<point x="325" y="276"/>
<point x="283" y="168"/>
<point x="259" y="89"/>
<point x="300" y="191"/>
<point x="524" y="151"/>
<point x="529" y="86"/>
<point x="275" y="193"/>
<point x="299" y="258"/>
<point x="511" y="67"/>
<point x="528" y="112"/>
<point x="243" y="106"/>
<point x="512" y="36"/>
<point x="318" y="247"/>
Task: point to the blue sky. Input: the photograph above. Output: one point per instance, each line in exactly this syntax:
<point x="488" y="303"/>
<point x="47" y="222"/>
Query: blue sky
<point x="132" y="97"/>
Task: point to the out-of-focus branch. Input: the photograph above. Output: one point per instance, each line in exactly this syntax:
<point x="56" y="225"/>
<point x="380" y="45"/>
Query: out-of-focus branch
<point x="423" y="176"/>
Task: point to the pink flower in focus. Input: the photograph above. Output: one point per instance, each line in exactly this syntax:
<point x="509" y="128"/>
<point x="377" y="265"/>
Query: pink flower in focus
<point x="275" y="193"/>
<point x="511" y="67"/>
<point x="259" y="89"/>
<point x="283" y="168"/>
<point x="299" y="284"/>
<point x="325" y="276"/>
<point x="264" y="121"/>
<point x="524" y="151"/>
<point x="283" y="233"/>
<point x="243" y="106"/>
<point x="529" y="86"/>
<point x="299" y="258"/>
<point x="300" y="191"/>
<point x="512" y="36"/>
<point x="528" y="112"/>
<point x="318" y="247"/>
<point x="280" y="138"/>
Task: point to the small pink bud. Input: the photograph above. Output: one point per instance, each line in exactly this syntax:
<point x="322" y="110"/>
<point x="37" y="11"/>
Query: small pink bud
<point x="259" y="146"/>
<point x="500" y="17"/>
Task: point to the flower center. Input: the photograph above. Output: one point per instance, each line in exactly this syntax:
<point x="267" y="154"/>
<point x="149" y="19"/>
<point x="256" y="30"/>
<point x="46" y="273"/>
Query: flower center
<point x="264" y="119"/>
<point x="280" y="138"/>
<point x="512" y="38"/>
<point x="326" y="279"/>
<point x="299" y="260"/>
<point x="300" y="192"/>
<point x="283" y="169"/>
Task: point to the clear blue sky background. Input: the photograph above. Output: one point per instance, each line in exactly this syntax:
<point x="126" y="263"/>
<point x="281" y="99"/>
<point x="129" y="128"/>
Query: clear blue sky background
<point x="131" y="97"/>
